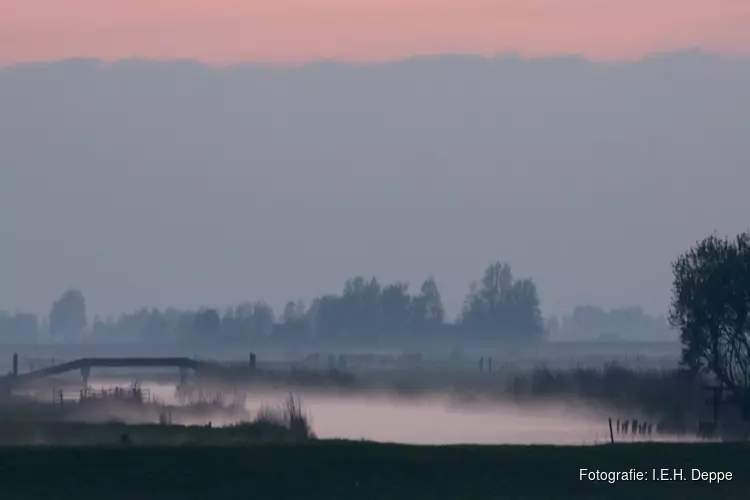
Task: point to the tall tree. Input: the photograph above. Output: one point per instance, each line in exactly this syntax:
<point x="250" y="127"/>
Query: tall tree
<point x="485" y="308"/>
<point x="711" y="308"/>
<point x="502" y="306"/>
<point x="326" y="316"/>
<point x="293" y="312"/>
<point x="396" y="308"/>
<point x="263" y="319"/>
<point x="206" y="325"/>
<point x="294" y="321"/>
<point x="361" y="305"/>
<point x="155" y="326"/>
<point x="525" y="316"/>
<point x="67" y="319"/>
<point x="428" y="310"/>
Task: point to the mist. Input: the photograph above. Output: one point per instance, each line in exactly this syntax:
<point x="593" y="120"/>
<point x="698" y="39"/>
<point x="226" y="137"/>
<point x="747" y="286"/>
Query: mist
<point x="430" y="419"/>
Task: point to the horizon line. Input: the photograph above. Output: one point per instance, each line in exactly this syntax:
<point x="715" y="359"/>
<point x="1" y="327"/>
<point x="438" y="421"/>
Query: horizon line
<point x="303" y="63"/>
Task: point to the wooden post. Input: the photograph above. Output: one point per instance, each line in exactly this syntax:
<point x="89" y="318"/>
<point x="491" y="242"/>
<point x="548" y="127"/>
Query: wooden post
<point x="85" y="373"/>
<point x="611" y="434"/>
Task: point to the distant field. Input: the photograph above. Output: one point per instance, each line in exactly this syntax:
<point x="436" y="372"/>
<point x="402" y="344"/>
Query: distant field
<point x="553" y="354"/>
<point x="350" y="470"/>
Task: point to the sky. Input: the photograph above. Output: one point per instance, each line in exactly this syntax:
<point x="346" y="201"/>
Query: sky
<point x="179" y="184"/>
<point x="280" y="184"/>
<point x="290" y="31"/>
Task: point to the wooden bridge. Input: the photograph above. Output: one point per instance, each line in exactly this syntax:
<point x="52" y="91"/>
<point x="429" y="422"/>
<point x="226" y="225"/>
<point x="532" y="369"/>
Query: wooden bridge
<point x="84" y="365"/>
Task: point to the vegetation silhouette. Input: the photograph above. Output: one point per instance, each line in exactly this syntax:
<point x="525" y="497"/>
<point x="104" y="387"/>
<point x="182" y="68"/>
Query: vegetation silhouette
<point x="711" y="308"/>
<point x="499" y="308"/>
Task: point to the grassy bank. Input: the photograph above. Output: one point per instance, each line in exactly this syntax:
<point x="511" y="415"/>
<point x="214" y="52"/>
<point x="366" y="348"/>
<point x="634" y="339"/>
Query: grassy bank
<point x="83" y="434"/>
<point x="341" y="470"/>
<point x="26" y="423"/>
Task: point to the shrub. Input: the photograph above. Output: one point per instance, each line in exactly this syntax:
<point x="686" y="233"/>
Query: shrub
<point x="288" y="415"/>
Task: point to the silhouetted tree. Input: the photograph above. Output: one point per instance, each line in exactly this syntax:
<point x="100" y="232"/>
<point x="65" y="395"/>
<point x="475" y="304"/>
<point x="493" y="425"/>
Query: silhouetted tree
<point x="711" y="308"/>
<point x="237" y="322"/>
<point x="364" y="310"/>
<point x="67" y="319"/>
<point x="206" y="324"/>
<point x="361" y="306"/>
<point x="503" y="306"/>
<point x="326" y="315"/>
<point x="621" y="322"/>
<point x="263" y="319"/>
<point x="589" y="319"/>
<point x="230" y="324"/>
<point x="395" y="307"/>
<point x="155" y="326"/>
<point x="19" y="326"/>
<point x="293" y="312"/>
<point x="294" y="321"/>
<point x="525" y="316"/>
<point x="427" y="310"/>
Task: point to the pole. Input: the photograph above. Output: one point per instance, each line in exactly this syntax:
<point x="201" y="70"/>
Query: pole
<point x="611" y="434"/>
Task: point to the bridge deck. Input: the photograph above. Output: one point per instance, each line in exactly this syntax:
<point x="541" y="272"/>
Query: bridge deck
<point x="115" y="363"/>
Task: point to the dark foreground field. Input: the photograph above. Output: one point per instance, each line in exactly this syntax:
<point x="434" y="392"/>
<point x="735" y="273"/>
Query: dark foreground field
<point x="340" y="470"/>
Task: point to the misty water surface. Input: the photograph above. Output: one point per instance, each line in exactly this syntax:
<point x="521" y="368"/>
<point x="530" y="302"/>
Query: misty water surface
<point x="433" y="420"/>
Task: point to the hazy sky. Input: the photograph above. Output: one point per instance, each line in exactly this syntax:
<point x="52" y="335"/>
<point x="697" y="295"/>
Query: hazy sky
<point x="177" y="184"/>
<point x="180" y="184"/>
<point x="223" y="31"/>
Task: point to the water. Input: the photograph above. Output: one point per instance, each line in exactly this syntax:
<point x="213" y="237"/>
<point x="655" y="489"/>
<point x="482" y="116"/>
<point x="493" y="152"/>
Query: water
<point x="435" y="420"/>
<point x="438" y="421"/>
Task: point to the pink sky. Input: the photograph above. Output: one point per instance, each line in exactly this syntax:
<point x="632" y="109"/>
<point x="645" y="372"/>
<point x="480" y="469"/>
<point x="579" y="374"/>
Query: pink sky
<point x="227" y="31"/>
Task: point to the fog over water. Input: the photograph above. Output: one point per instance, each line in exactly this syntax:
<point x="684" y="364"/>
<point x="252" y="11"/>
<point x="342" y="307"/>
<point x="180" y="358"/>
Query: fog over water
<point x="425" y="420"/>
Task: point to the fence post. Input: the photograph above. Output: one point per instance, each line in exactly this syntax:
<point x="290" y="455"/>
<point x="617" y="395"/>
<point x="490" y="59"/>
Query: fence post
<point x="611" y="434"/>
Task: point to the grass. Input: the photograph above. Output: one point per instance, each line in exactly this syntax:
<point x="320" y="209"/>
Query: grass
<point x="84" y="434"/>
<point x="289" y="416"/>
<point x="24" y="423"/>
<point x="350" y="470"/>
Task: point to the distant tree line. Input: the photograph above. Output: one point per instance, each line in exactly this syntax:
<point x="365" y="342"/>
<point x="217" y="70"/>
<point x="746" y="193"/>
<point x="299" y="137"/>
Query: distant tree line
<point x="19" y="326"/>
<point x="498" y="306"/>
<point x="619" y="323"/>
